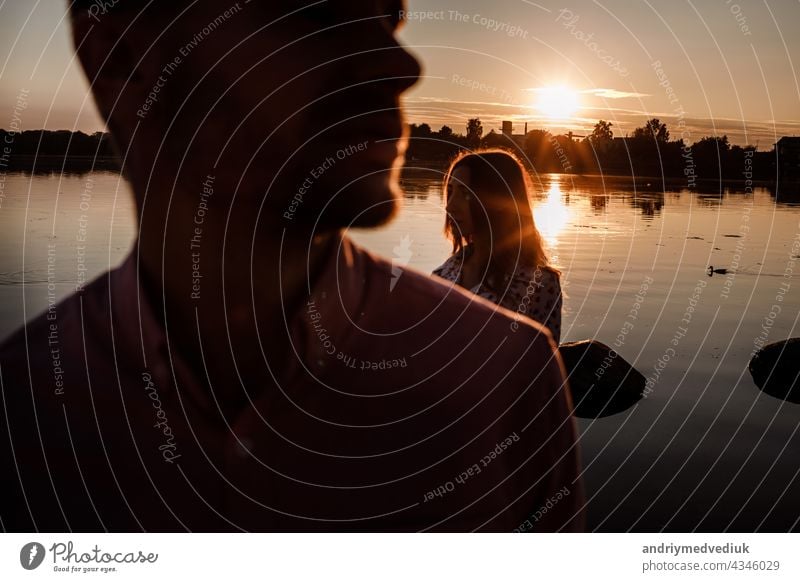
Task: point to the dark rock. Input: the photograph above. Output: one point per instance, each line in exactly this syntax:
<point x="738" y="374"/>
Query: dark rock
<point x="601" y="381"/>
<point x="775" y="369"/>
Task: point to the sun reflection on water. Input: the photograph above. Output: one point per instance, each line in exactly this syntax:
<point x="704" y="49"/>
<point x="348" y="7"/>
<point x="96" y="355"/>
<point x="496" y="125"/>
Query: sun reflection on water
<point x="551" y="214"/>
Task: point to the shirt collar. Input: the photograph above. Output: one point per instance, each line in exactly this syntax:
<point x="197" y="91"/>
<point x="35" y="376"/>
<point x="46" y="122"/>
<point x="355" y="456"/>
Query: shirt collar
<point x="140" y="342"/>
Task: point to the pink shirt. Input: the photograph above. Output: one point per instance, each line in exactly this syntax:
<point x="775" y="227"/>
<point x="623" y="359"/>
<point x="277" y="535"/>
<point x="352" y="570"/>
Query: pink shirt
<point x="405" y="405"/>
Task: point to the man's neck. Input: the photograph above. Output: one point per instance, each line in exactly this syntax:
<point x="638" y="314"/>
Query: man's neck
<point x="244" y="297"/>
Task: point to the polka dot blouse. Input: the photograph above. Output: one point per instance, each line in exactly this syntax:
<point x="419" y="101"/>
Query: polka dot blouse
<point x="533" y="292"/>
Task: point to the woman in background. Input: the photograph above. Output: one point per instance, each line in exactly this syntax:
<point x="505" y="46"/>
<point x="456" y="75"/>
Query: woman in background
<point x="497" y="250"/>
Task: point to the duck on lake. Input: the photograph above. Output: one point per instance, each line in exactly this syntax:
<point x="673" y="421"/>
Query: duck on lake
<point x="712" y="270"/>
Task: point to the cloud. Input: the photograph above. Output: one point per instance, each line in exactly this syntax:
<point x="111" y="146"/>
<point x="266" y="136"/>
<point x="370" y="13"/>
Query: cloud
<point x="598" y="92"/>
<point x="614" y="94"/>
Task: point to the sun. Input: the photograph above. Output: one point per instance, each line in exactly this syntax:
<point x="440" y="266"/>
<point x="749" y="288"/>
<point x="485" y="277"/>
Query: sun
<point x="557" y="102"/>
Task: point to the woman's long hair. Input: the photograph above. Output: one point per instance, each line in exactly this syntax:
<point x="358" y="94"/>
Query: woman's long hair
<point x="501" y="212"/>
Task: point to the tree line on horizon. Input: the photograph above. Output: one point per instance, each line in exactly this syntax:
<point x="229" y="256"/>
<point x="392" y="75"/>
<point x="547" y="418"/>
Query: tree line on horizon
<point x="54" y="150"/>
<point x="647" y="151"/>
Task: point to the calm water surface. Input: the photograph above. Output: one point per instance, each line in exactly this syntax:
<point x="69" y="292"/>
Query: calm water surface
<point x="705" y="450"/>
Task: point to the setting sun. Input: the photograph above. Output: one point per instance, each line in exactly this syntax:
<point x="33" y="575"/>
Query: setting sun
<point x="557" y="102"/>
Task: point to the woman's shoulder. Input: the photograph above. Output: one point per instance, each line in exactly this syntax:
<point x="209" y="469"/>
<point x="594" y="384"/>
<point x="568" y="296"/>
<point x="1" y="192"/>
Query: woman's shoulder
<point x="548" y="270"/>
<point x="447" y="270"/>
<point x="539" y="275"/>
<point x="550" y="276"/>
<point x="451" y="267"/>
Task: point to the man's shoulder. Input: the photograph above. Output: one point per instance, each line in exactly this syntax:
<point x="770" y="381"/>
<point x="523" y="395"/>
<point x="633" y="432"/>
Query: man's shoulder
<point x="417" y="297"/>
<point x="55" y="334"/>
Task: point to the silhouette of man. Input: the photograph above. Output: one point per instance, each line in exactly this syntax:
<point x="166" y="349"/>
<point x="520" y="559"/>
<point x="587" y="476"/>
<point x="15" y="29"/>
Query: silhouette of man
<point x="248" y="367"/>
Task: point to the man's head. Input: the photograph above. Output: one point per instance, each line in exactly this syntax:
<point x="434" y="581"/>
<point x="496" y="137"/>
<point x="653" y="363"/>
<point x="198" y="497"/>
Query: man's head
<point x="293" y="105"/>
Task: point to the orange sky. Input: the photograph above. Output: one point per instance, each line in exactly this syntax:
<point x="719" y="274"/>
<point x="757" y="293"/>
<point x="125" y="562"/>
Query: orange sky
<point x="720" y="67"/>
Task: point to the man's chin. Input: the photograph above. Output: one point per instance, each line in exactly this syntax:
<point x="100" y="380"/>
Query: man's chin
<point x="359" y="191"/>
<point x="369" y="202"/>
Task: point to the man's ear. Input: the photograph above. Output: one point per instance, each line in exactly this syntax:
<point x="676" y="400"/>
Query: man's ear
<point x="112" y="65"/>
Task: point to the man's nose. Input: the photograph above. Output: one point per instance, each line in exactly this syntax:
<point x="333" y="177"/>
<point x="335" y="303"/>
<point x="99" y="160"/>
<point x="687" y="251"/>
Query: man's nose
<point x="381" y="57"/>
<point x="407" y="67"/>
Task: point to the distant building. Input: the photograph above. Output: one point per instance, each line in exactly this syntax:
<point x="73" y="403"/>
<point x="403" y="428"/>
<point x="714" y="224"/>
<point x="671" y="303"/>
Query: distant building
<point x="788" y="151"/>
<point x="508" y="132"/>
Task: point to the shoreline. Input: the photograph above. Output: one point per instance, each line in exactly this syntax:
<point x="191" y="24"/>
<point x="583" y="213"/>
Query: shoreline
<point x="49" y="164"/>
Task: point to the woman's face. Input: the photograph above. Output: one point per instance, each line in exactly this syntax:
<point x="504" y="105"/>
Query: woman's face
<point x="458" y="202"/>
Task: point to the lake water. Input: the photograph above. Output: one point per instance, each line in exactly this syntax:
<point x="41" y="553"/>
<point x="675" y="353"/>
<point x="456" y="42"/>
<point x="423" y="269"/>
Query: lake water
<point x="705" y="450"/>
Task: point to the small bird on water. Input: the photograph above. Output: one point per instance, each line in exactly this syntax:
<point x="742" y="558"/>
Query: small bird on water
<point x="712" y="270"/>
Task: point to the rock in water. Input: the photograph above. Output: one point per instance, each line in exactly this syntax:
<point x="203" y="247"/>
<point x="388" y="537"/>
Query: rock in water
<point x="601" y="381"/>
<point x="776" y="369"/>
